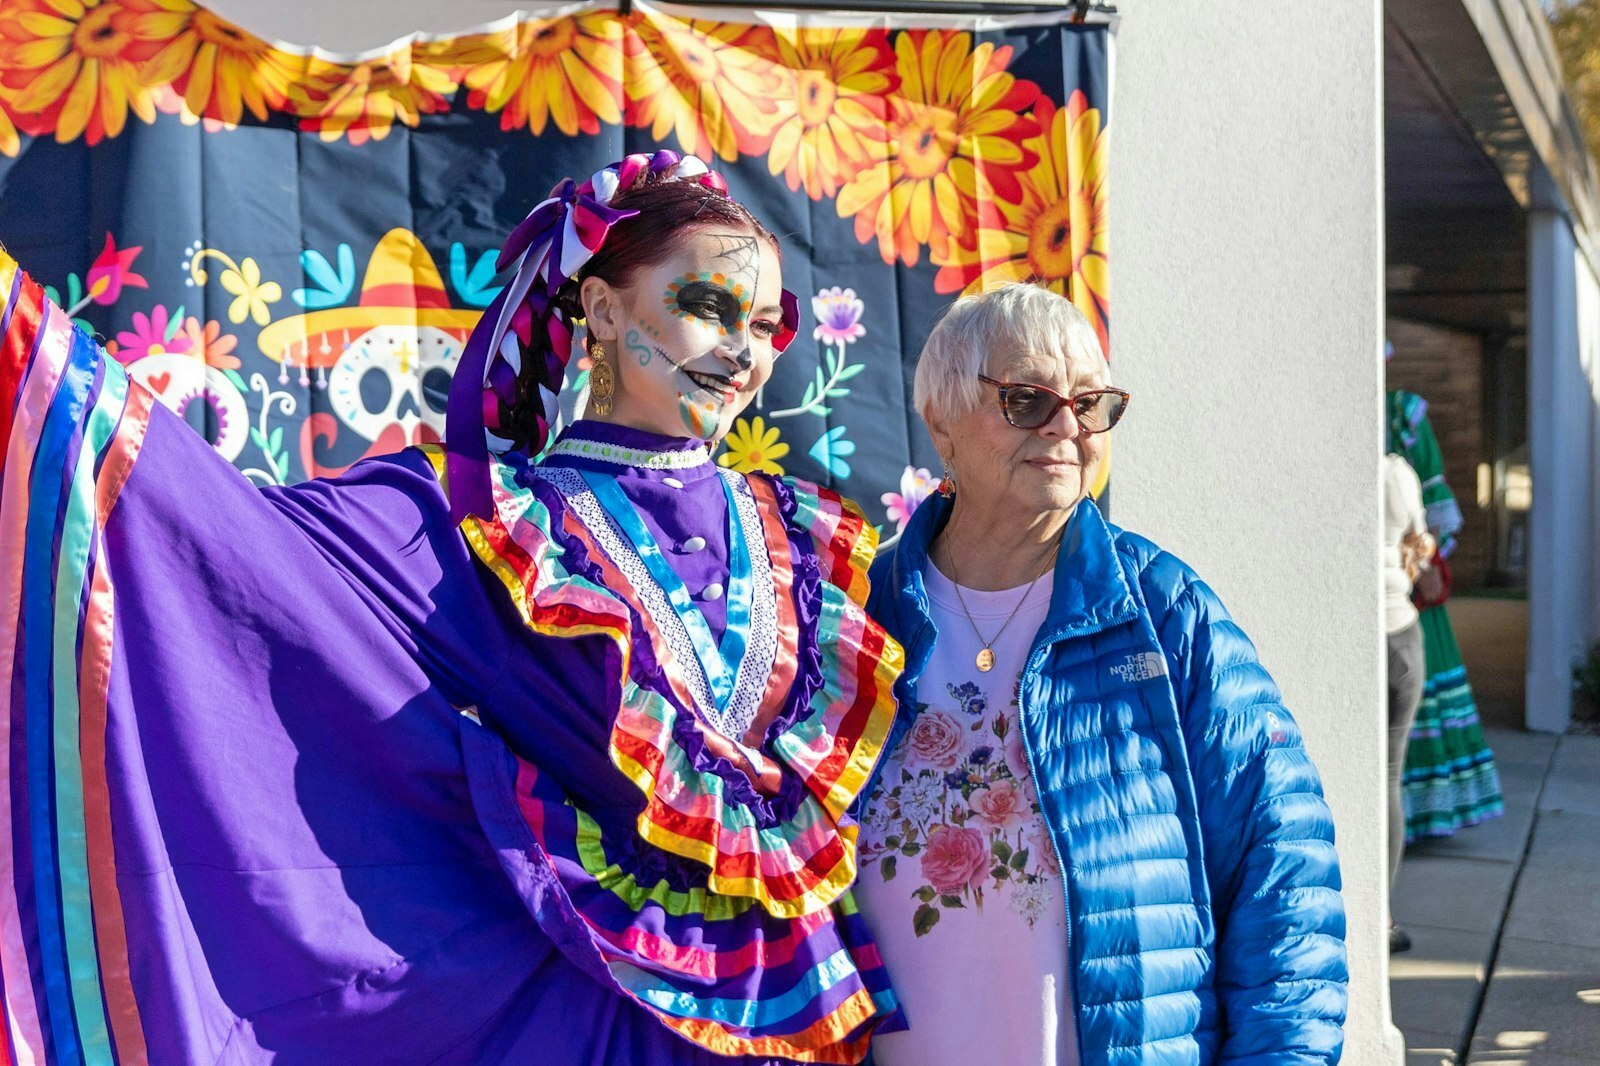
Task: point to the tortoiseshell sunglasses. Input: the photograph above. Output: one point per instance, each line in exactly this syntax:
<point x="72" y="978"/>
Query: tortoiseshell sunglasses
<point x="1031" y="406"/>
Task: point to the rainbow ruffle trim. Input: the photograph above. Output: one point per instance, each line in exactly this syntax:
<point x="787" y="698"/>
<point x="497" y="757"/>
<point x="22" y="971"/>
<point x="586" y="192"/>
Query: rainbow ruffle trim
<point x="765" y="954"/>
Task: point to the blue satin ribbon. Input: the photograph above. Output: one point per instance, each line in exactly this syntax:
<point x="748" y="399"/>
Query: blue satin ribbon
<point x="720" y="661"/>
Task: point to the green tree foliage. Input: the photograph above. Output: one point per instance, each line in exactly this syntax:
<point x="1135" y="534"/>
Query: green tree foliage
<point x="1577" y="30"/>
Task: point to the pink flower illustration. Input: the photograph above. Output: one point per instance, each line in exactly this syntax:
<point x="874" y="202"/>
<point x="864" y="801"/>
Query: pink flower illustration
<point x="150" y="336"/>
<point x="838" y="314"/>
<point x="1016" y="756"/>
<point x="111" y="271"/>
<point x="935" y="741"/>
<point x="954" y="858"/>
<point x="916" y="484"/>
<point x="1002" y="805"/>
<point x="1041" y="852"/>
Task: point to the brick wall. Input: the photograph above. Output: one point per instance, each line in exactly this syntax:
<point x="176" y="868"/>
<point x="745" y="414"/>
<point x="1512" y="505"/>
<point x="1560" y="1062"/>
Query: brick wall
<point x="1446" y="368"/>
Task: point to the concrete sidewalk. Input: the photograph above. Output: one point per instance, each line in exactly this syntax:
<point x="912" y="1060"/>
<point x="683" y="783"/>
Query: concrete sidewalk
<point x="1518" y="900"/>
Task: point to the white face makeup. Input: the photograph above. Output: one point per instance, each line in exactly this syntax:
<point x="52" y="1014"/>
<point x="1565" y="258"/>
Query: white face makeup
<point x="691" y="339"/>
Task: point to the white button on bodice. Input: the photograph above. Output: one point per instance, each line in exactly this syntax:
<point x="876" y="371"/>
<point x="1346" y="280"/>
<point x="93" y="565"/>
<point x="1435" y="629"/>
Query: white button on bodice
<point x="712" y="591"/>
<point x="672" y="483"/>
<point x="692" y="545"/>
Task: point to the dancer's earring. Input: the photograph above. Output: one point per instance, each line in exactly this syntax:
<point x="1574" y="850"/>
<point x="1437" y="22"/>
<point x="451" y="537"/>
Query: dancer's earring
<point x="947" y="484"/>
<point x="602" y="379"/>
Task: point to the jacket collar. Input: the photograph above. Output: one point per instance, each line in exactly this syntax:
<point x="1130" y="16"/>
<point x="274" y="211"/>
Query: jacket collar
<point x="1089" y="592"/>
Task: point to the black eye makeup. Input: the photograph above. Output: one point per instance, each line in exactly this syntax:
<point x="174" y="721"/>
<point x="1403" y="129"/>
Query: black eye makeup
<point x="709" y="297"/>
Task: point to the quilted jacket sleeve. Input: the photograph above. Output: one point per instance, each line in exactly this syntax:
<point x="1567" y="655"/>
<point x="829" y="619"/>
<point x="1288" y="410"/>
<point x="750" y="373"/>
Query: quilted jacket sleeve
<point x="1268" y="835"/>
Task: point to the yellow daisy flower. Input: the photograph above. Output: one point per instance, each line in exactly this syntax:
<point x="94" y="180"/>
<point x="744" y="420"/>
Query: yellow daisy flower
<point x="566" y="70"/>
<point x="251" y="295"/>
<point x="711" y="83"/>
<point x="751" y="446"/>
<point x="218" y="68"/>
<point x="74" y="66"/>
<point x="831" y="113"/>
<point x="365" y="100"/>
<point x="1054" y="234"/>
<point x="956" y="131"/>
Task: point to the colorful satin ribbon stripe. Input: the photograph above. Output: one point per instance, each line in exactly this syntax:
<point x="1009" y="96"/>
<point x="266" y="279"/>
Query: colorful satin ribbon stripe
<point x="68" y="993"/>
<point x="772" y="960"/>
<point x="769" y="958"/>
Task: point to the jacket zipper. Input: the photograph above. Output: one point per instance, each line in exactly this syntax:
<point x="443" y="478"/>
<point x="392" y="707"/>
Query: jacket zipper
<point x="1028" y="670"/>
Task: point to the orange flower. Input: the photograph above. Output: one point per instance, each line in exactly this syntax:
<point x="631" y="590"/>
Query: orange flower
<point x="1055" y="232"/>
<point x="567" y="69"/>
<point x="365" y="100"/>
<point x="956" y="136"/>
<point x="73" y="66"/>
<point x="831" y="112"/>
<point x="218" y="68"/>
<point x="711" y="83"/>
<point x="209" y="343"/>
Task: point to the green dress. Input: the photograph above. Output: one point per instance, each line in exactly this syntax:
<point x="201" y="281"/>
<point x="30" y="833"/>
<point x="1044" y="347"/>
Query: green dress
<point x="1450" y="777"/>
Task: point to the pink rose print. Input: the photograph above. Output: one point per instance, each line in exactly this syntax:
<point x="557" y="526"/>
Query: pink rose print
<point x="1042" y="852"/>
<point x="954" y="858"/>
<point x="935" y="741"/>
<point x="1016" y="757"/>
<point x="1002" y="805"/>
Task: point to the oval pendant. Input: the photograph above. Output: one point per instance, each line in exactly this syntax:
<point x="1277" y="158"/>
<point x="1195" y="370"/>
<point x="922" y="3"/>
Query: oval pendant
<point x="986" y="660"/>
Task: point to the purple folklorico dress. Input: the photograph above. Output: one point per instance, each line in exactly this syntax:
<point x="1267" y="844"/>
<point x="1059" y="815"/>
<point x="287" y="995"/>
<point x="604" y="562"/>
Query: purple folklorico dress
<point x="315" y="773"/>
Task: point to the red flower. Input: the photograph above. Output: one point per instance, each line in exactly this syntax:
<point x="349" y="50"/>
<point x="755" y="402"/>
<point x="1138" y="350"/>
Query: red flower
<point x="112" y="270"/>
<point x="954" y="859"/>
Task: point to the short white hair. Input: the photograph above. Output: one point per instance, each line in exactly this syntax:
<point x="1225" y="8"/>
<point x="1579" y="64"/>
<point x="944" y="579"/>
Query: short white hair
<point x="1018" y="317"/>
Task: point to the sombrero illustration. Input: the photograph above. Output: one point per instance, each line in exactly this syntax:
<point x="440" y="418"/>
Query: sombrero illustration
<point x="402" y="287"/>
<point x="386" y="362"/>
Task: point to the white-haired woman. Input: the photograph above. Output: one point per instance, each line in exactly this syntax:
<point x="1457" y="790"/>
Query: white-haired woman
<point x="1097" y="837"/>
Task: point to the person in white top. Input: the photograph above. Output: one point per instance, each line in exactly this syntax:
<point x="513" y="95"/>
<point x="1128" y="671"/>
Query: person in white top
<point x="1096" y="837"/>
<point x="1407" y="548"/>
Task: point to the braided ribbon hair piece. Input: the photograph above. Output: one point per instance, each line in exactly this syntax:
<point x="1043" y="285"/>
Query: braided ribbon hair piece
<point x="529" y="320"/>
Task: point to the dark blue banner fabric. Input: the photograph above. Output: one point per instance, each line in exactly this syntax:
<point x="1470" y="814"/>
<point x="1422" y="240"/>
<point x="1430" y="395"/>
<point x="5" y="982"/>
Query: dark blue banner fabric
<point x="291" y="249"/>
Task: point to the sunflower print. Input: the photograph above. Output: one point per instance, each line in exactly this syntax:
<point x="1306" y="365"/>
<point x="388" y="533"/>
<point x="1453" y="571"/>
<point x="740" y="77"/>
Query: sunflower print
<point x="957" y="136"/>
<point x="220" y="70"/>
<point x="73" y="67"/>
<point x="710" y="84"/>
<point x="566" y="71"/>
<point x="1054" y="234"/>
<point x="364" y="101"/>
<point x="831" y="122"/>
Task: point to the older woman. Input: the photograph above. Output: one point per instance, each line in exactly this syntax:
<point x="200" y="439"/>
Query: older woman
<point x="1097" y="837"/>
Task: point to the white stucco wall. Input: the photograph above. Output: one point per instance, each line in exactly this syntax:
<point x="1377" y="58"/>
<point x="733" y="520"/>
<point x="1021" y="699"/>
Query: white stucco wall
<point x="1246" y="237"/>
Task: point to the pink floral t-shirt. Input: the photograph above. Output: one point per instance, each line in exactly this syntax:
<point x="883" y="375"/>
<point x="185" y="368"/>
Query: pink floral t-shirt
<point x="959" y="879"/>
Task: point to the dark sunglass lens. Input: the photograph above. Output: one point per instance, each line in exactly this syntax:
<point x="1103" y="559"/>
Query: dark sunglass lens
<point x="1029" y="408"/>
<point x="1099" y="411"/>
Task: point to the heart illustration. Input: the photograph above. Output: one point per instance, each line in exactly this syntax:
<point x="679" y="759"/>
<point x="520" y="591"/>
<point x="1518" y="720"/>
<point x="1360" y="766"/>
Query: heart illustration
<point x="159" y="383"/>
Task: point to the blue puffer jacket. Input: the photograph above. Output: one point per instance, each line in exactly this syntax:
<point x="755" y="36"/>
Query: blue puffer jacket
<point x="1204" y="916"/>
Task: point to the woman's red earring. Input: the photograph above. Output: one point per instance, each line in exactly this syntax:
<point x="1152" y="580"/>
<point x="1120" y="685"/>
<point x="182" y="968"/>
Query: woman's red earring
<point x="947" y="484"/>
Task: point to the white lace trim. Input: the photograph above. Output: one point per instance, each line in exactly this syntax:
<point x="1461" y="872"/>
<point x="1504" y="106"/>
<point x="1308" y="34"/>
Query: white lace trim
<point x="761" y="645"/>
<point x="638" y="458"/>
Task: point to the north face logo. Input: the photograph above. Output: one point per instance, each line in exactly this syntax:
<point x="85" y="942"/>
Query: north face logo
<point x="1141" y="667"/>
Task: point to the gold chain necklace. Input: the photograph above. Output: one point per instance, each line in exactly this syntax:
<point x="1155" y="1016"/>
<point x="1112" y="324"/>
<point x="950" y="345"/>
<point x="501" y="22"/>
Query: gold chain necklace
<point x="985" y="657"/>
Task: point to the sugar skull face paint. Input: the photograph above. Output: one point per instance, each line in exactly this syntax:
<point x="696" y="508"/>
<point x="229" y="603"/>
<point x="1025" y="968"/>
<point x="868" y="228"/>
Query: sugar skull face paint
<point x="692" y="338"/>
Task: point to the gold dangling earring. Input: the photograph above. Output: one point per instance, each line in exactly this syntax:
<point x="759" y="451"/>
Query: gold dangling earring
<point x="947" y="484"/>
<point x="602" y="379"/>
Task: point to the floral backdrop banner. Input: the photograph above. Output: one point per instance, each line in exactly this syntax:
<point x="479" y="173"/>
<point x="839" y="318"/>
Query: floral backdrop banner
<point x="290" y="248"/>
